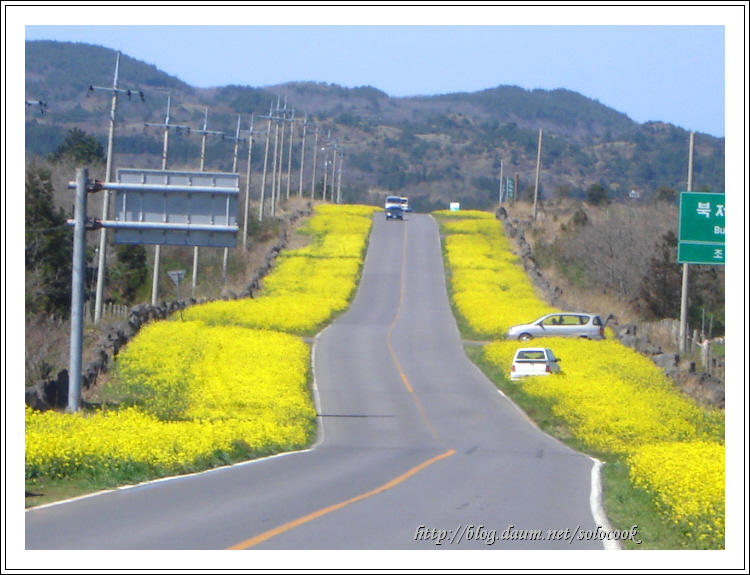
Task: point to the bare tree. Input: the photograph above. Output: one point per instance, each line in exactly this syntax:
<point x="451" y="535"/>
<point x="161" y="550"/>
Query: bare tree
<point x="616" y="251"/>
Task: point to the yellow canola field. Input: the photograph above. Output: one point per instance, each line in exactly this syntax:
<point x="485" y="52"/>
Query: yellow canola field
<point x="223" y="384"/>
<point x="488" y="286"/>
<point x="207" y="395"/>
<point x="612" y="398"/>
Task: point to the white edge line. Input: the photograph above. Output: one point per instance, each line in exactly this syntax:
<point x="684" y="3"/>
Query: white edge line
<point x="597" y="505"/>
<point x="595" y="496"/>
<point x="318" y="440"/>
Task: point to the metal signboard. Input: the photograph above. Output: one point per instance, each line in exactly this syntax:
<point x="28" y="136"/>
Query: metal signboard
<point x="689" y="253"/>
<point x="510" y="186"/>
<point x="701" y="231"/>
<point x="178" y="208"/>
<point x="176" y="276"/>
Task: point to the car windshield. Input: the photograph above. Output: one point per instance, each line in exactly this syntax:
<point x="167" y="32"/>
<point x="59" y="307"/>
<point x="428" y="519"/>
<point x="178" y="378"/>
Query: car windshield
<point x="533" y="355"/>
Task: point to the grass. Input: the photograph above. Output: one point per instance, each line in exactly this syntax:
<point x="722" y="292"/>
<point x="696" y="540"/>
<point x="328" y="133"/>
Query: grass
<point x="625" y="505"/>
<point x="43" y="490"/>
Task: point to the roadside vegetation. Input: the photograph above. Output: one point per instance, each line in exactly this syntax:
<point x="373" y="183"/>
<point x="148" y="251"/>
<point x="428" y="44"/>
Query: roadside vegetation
<point x="209" y="388"/>
<point x="664" y="453"/>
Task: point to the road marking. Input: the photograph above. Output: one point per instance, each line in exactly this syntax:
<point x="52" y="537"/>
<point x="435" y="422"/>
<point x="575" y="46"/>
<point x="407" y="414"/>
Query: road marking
<point x="404" y="379"/>
<point x="302" y="520"/>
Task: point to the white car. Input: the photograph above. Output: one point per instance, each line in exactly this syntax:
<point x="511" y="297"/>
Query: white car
<point x="534" y="361"/>
<point x="560" y="324"/>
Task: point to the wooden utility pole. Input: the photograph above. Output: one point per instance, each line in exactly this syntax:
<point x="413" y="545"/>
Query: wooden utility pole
<point x="225" y="261"/>
<point x="157" y="249"/>
<point x="684" y="297"/>
<point x="273" y="170"/>
<point x="302" y="161"/>
<point x="538" y="163"/>
<point x="247" y="182"/>
<point x="289" y="162"/>
<point x="105" y="208"/>
<point x="500" y="193"/>
<point x="265" y="165"/>
<point x="315" y="162"/>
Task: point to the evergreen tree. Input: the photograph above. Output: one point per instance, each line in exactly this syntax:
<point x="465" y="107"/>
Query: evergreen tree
<point x="597" y="195"/>
<point x="129" y="274"/>
<point x="80" y="148"/>
<point x="49" y="248"/>
<point x="661" y="286"/>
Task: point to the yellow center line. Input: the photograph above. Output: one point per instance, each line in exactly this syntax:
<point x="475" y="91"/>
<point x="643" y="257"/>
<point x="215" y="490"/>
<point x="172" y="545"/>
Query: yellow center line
<point x="302" y="520"/>
<point x="265" y="536"/>
<point x="393" y="354"/>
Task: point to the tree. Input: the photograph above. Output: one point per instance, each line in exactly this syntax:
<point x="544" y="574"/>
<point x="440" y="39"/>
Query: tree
<point x="49" y="247"/>
<point x="615" y="253"/>
<point x="597" y="195"/>
<point x="80" y="148"/>
<point x="660" y="287"/>
<point x="666" y="194"/>
<point x="129" y="274"/>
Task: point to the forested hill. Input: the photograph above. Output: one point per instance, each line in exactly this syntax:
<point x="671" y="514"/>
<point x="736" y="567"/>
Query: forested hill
<point x="432" y="148"/>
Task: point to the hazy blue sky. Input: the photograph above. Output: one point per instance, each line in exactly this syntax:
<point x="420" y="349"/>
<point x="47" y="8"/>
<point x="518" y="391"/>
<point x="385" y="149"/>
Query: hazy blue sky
<point x="670" y="70"/>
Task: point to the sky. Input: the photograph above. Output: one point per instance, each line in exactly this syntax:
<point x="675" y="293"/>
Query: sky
<point x="682" y="64"/>
<point x="653" y="64"/>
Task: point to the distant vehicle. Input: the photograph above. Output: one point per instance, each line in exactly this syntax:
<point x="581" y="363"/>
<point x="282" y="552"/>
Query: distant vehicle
<point x="394" y="213"/>
<point x="394" y="208"/>
<point x="564" y="324"/>
<point x="534" y="361"/>
<point x="392" y="201"/>
<point x="405" y="204"/>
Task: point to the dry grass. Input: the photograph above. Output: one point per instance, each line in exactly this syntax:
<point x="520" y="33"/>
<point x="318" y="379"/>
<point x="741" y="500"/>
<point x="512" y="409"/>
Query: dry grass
<point x="551" y="217"/>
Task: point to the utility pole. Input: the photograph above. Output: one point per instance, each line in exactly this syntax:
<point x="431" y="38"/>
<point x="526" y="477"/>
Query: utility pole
<point x="76" y="304"/>
<point x="289" y="163"/>
<point x="282" y="120"/>
<point x="234" y="171"/>
<point x="333" y="170"/>
<point x="341" y="164"/>
<point x="205" y="132"/>
<point x="247" y="183"/>
<point x="42" y="105"/>
<point x="538" y="163"/>
<point x="325" y="164"/>
<point x="500" y="198"/>
<point x="684" y="295"/>
<point x="315" y="162"/>
<point x="108" y="178"/>
<point x="105" y="208"/>
<point x="273" y="178"/>
<point x="157" y="249"/>
<point x="265" y="165"/>
<point x="165" y="150"/>
<point x="302" y="161"/>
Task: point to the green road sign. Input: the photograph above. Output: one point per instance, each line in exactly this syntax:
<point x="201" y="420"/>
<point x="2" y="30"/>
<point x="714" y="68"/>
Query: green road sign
<point x="701" y="233"/>
<point x="701" y="217"/>
<point x="689" y="253"/>
<point x="510" y="187"/>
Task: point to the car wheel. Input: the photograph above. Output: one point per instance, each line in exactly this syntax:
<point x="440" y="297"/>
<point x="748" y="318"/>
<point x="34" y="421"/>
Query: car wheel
<point x="524" y="337"/>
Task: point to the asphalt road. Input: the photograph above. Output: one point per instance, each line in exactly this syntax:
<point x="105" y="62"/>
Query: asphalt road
<point x="417" y="449"/>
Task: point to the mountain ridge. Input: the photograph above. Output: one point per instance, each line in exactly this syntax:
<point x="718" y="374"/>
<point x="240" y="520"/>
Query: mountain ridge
<point x="439" y="148"/>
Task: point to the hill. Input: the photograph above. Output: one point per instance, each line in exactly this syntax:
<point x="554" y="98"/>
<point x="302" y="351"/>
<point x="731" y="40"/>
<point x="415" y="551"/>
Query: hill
<point x="434" y="149"/>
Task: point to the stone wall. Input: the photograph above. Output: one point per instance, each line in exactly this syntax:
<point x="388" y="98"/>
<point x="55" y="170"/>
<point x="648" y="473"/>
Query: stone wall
<point x="702" y="386"/>
<point x="53" y="393"/>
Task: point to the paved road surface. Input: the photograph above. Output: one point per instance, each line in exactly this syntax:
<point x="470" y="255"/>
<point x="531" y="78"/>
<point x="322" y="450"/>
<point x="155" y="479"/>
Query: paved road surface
<point x="414" y="441"/>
